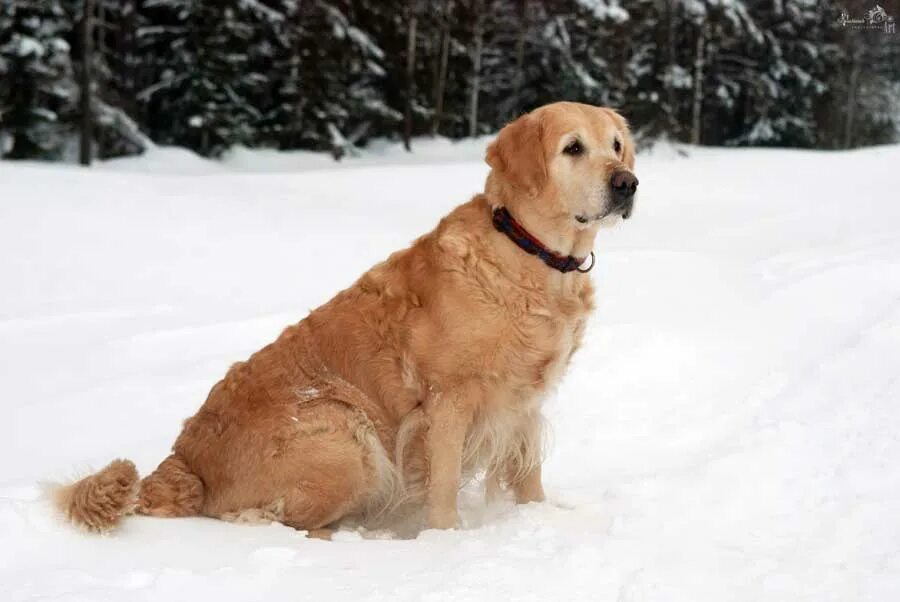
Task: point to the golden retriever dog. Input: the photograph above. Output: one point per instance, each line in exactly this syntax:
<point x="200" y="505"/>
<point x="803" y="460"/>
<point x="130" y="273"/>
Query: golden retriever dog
<point x="430" y="369"/>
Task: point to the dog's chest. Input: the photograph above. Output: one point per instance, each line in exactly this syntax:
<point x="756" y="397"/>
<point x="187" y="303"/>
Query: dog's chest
<point x="533" y="359"/>
<point x="506" y="430"/>
<point x="551" y="373"/>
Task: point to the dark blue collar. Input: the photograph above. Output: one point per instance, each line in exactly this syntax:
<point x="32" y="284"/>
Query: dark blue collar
<point x="506" y="223"/>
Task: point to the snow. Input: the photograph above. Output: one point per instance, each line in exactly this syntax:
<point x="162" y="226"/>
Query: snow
<point x="602" y="9"/>
<point x="28" y="45"/>
<point x="262" y="11"/>
<point x="679" y="77"/>
<point x="727" y="432"/>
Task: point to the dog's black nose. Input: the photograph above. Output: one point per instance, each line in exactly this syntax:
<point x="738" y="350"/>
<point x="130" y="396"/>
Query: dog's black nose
<point x="624" y="185"/>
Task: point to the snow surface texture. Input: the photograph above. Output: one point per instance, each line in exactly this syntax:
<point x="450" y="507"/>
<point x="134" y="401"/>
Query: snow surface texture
<point x="729" y="431"/>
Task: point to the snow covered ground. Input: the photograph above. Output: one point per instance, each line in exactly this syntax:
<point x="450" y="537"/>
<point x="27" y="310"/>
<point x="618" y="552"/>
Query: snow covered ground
<point x="737" y="399"/>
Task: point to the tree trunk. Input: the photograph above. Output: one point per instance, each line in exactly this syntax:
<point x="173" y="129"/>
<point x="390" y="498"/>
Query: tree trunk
<point x="410" y="75"/>
<point x="87" y="118"/>
<point x="100" y="24"/>
<point x="476" y="68"/>
<point x="442" y="69"/>
<point x="520" y="59"/>
<point x="434" y="51"/>
<point x="126" y="37"/>
<point x="855" y="63"/>
<point x="699" y="64"/>
<point x="673" y="62"/>
<point x="293" y="134"/>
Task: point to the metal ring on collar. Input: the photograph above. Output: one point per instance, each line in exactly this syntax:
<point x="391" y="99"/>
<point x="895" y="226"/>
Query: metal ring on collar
<point x="590" y="267"/>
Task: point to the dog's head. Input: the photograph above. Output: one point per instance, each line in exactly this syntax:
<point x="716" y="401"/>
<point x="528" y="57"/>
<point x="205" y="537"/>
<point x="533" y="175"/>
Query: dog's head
<point x="566" y="164"/>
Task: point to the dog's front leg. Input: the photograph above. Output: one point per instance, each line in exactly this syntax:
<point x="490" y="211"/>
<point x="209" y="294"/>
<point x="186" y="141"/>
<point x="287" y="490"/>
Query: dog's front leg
<point x="529" y="488"/>
<point x="449" y="416"/>
<point x="522" y="473"/>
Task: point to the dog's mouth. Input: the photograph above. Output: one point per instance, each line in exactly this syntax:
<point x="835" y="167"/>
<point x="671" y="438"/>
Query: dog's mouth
<point x="623" y="210"/>
<point x="586" y="219"/>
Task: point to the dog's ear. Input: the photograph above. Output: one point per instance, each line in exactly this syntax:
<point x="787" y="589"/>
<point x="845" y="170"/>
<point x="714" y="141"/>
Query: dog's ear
<point x="517" y="154"/>
<point x="628" y="142"/>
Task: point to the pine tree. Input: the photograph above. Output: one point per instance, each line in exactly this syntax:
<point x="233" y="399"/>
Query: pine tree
<point x="229" y="88"/>
<point x="639" y="84"/>
<point x="862" y="101"/>
<point x="115" y="74"/>
<point x="342" y="75"/>
<point x="332" y="74"/>
<point x="38" y="94"/>
<point x="163" y="66"/>
<point x="508" y="37"/>
<point x="788" y="76"/>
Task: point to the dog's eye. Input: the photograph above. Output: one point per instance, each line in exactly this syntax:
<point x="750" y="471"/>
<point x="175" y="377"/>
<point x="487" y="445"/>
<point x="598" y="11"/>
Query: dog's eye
<point x="574" y="148"/>
<point x="617" y="146"/>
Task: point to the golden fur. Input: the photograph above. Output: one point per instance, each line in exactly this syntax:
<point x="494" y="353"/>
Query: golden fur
<point x="430" y="368"/>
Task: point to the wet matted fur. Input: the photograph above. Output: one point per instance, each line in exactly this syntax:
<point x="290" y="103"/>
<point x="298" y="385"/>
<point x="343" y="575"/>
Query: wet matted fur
<point x="431" y="367"/>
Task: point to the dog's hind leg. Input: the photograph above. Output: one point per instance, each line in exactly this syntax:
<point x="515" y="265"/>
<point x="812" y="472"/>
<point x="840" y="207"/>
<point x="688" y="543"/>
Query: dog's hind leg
<point x="334" y="482"/>
<point x="171" y="490"/>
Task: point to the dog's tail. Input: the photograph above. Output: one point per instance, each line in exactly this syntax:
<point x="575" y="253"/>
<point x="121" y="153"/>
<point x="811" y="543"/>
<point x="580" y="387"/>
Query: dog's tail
<point x="100" y="501"/>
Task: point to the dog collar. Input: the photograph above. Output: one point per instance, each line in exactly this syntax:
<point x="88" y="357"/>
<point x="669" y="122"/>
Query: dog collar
<point x="506" y="223"/>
